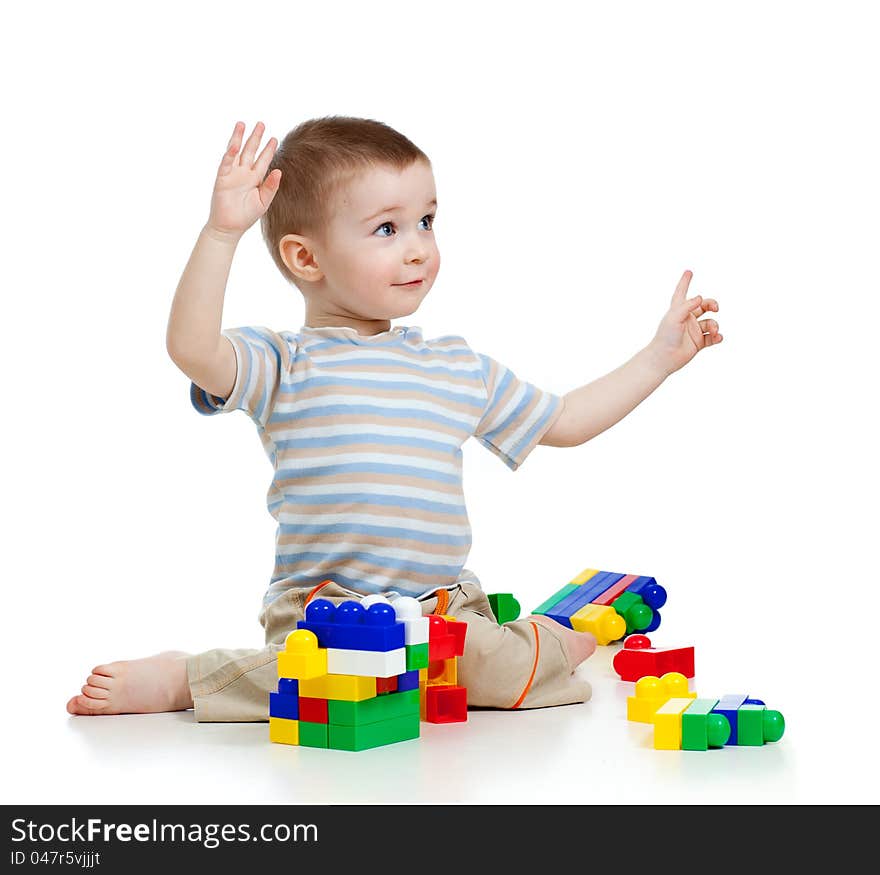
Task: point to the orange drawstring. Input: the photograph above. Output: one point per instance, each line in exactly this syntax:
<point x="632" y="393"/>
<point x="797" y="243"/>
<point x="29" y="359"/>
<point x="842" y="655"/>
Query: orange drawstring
<point x="528" y="686"/>
<point x="314" y="591"/>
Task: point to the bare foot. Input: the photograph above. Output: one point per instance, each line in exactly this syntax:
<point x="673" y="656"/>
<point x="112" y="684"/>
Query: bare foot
<point x="136" y="686"/>
<point x="578" y="645"/>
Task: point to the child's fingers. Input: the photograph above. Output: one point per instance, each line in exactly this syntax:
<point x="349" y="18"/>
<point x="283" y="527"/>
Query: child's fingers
<point x="682" y="287"/>
<point x="250" y="147"/>
<point x="231" y="148"/>
<point x="265" y="157"/>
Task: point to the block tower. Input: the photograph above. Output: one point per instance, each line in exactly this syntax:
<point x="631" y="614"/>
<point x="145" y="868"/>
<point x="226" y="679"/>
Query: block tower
<point x="353" y="676"/>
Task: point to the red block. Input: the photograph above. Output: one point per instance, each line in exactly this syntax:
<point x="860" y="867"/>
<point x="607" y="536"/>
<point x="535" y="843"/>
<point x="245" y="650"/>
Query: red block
<point x="613" y="592"/>
<point x="638" y="659"/>
<point x="313" y="710"/>
<point x="386" y="685"/>
<point x="445" y="703"/>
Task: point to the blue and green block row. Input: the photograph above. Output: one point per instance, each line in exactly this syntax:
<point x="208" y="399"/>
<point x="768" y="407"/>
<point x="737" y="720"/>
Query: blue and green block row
<point x="594" y="600"/>
<point x="700" y="724"/>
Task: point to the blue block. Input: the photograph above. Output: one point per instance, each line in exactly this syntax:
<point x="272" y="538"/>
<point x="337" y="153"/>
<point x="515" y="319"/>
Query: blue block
<point x="653" y="595"/>
<point x="284" y="705"/>
<point x="289" y="686"/>
<point x="583" y="595"/>
<point x="409" y="680"/>
<point x="349" y="627"/>
<point x="728" y="705"/>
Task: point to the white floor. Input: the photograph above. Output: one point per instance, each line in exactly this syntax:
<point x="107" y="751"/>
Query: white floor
<point x="585" y="753"/>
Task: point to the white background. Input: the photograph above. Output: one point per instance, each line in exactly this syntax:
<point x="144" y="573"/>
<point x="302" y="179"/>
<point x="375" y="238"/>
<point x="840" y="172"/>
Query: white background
<point x="585" y="156"/>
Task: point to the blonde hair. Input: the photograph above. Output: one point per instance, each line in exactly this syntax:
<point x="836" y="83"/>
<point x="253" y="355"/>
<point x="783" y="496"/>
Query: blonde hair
<point x="318" y="158"/>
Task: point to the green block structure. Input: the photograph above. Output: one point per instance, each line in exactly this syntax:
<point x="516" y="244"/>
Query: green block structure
<point x="369" y="735"/>
<point x="634" y="611"/>
<point x="386" y="707"/>
<point x="416" y="656"/>
<point x="504" y="606"/>
<point x="556" y="598"/>
<point x="313" y="734"/>
<point x="701" y="729"/>
<point x="756" y="725"/>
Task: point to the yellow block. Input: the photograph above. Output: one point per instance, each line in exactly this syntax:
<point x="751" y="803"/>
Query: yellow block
<point x="667" y="723"/>
<point x="283" y="731"/>
<point x="423" y="684"/>
<point x="301" y="657"/>
<point x="443" y="671"/>
<point x="602" y="620"/>
<point x="584" y="576"/>
<point x="653" y="692"/>
<point x="348" y="687"/>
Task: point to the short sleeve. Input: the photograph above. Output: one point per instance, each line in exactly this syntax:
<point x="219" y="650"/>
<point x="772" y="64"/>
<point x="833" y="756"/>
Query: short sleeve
<point x="261" y="358"/>
<point x="517" y="414"/>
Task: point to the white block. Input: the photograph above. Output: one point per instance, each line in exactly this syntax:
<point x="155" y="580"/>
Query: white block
<point x="366" y="663"/>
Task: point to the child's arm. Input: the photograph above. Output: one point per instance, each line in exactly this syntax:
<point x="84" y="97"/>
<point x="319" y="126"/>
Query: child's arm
<point x="240" y="197"/>
<point x="591" y="409"/>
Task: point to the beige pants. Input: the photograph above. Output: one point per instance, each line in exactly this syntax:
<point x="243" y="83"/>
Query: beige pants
<point x="497" y="665"/>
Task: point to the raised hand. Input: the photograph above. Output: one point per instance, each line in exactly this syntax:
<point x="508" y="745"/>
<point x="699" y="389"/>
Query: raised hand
<point x="241" y="194"/>
<point x="681" y="335"/>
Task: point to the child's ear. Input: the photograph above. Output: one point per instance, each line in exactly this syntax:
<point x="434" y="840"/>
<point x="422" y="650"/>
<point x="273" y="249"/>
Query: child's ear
<point x="298" y="254"/>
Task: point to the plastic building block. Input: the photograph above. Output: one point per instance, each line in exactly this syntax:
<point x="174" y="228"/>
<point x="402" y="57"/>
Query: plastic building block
<point x="301" y="657"/>
<point x="667" y="724"/>
<point x="351" y="688"/>
<point x="284" y="705"/>
<point x="386" y="685"/>
<point x="313" y="710"/>
<point x="313" y="734"/>
<point x="701" y="728"/>
<point x="407" y="681"/>
<point x="638" y="658"/>
<point x="289" y="686"/>
<point x="653" y="692"/>
<point x="655" y="622"/>
<point x="585" y="575"/>
<point x="417" y="656"/>
<point x="367" y="735"/>
<point x="602" y="620"/>
<point x="409" y="612"/>
<point x="443" y="671"/>
<point x="283" y="731"/>
<point x="636" y="613"/>
<point x="653" y="595"/>
<point x="442" y="643"/>
<point x="610" y="594"/>
<point x="728" y="706"/>
<point x="445" y="704"/>
<point x="367" y="663"/>
<point x="756" y="724"/>
<point x="595" y="586"/>
<point x="557" y="597"/>
<point x="504" y="606"/>
<point x="350" y="626"/>
<point x="373" y="710"/>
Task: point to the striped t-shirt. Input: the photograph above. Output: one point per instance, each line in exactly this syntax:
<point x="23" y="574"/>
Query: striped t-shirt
<point x="364" y="433"/>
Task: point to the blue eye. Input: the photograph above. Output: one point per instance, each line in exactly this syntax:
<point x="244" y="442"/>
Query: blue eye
<point x="391" y="224"/>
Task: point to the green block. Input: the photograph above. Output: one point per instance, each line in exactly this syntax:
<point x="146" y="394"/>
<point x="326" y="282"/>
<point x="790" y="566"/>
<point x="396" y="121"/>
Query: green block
<point x="313" y="734"/>
<point x="755" y="725"/>
<point x="504" y="606"/>
<point x="701" y="729"/>
<point x="416" y="656"/>
<point x="556" y="598"/>
<point x="370" y="735"/>
<point x="634" y="611"/>
<point x="385" y="707"/>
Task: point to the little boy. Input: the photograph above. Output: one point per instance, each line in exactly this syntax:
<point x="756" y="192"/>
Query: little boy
<point x="363" y="423"/>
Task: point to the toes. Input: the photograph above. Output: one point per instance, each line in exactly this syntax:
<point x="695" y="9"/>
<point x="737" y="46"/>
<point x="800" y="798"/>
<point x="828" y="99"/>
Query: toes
<point x="105" y="670"/>
<point x="99" y="680"/>
<point x="95" y="692"/>
<point x="85" y="705"/>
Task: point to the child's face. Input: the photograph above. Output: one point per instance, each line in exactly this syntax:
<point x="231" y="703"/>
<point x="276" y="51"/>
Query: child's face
<point x="371" y="252"/>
